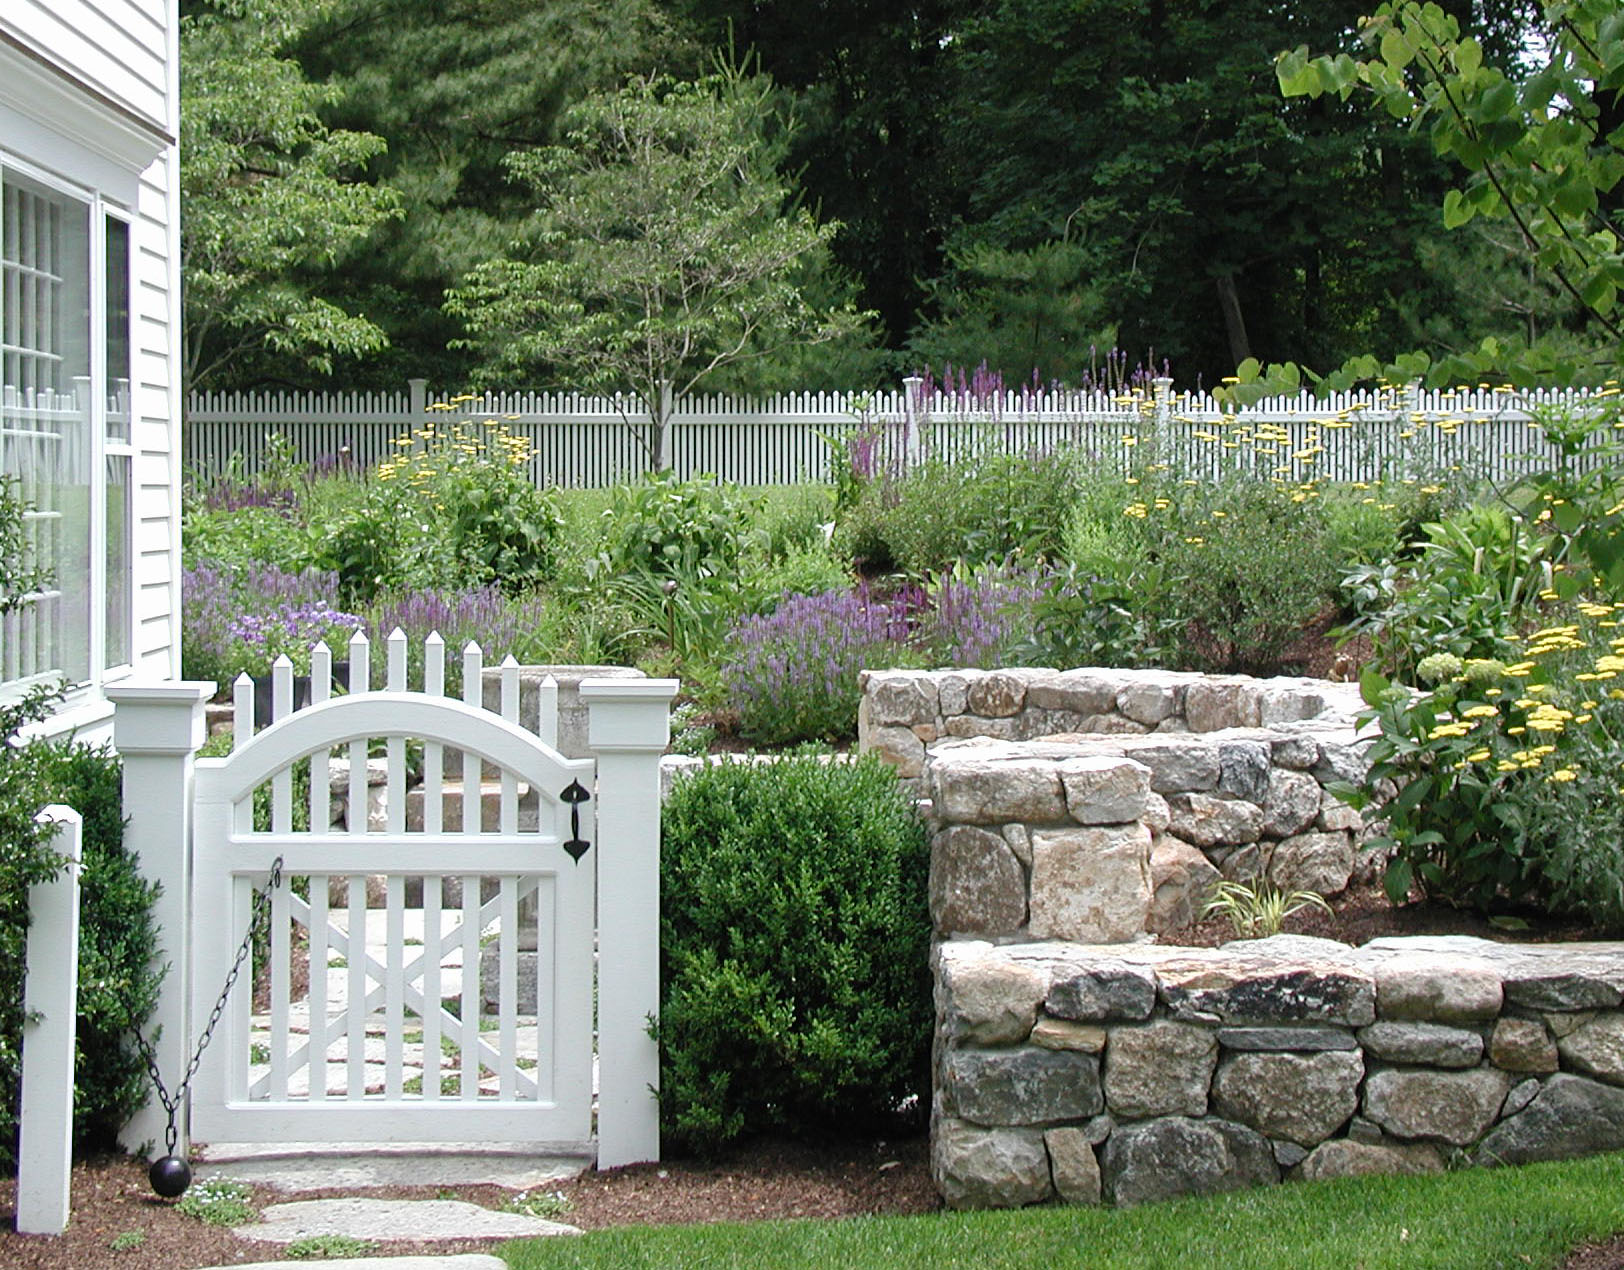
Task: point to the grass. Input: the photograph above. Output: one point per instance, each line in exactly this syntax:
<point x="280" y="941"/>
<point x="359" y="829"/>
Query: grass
<point x="1466" y="1220"/>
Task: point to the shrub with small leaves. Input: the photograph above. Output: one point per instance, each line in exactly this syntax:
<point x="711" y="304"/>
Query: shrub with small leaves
<point x="673" y="528"/>
<point x="794" y="943"/>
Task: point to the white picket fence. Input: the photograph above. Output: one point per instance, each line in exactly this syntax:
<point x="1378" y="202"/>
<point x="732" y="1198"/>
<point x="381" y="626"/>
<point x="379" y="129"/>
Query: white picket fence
<point x="582" y="441"/>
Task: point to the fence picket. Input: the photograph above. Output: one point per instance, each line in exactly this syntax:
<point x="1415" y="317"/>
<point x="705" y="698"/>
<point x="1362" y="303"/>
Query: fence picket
<point x="321" y="777"/>
<point x="508" y="990"/>
<point x="509" y="821"/>
<point x="355" y="816"/>
<point x="473" y="802"/>
<point x="433" y="752"/>
<point x="355" y="1004"/>
<point x="433" y="952"/>
<point x="395" y="747"/>
<point x="317" y="993"/>
<point x="394" y="996"/>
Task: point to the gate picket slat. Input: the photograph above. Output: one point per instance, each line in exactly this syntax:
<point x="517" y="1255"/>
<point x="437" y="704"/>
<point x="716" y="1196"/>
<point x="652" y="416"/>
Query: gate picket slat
<point x="470" y="986"/>
<point x="355" y="1001"/>
<point x="433" y="953"/>
<point x="321" y="778"/>
<point x="242" y="894"/>
<point x="316" y="993"/>
<point x="545" y="902"/>
<point x="394" y="986"/>
<point x="508" y="995"/>
<point x="473" y="665"/>
<point x="509" y="821"/>
<point x="395" y="748"/>
<point x="433" y="752"/>
<point x="547" y="720"/>
<point x="282" y="782"/>
<point x="355" y="815"/>
<point x="280" y="965"/>
<point x="242" y="710"/>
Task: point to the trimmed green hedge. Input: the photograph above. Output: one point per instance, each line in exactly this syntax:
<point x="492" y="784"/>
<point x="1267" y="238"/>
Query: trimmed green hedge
<point x="795" y="939"/>
<point x="117" y="939"/>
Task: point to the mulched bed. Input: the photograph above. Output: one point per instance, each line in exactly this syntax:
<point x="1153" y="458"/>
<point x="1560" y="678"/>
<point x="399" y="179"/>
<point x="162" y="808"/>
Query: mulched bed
<point x="1363" y="913"/>
<point x="767" y="1180"/>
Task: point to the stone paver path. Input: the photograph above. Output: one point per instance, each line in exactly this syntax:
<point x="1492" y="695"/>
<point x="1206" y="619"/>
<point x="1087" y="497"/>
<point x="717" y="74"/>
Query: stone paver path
<point x="399" y="1220"/>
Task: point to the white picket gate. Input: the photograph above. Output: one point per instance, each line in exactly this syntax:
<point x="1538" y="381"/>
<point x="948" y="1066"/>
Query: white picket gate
<point x="372" y="1023"/>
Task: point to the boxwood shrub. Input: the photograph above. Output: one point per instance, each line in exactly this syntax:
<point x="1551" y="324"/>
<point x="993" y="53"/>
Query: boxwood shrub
<point x="117" y="987"/>
<point x="794" y="946"/>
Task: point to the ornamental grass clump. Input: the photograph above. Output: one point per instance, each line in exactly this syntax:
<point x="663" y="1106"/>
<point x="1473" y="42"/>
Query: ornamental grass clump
<point x="792" y="675"/>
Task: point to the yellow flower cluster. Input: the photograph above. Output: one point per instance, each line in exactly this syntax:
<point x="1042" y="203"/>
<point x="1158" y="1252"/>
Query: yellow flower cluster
<point x="429" y="452"/>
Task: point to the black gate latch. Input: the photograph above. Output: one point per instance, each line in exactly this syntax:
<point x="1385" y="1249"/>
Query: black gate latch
<point x="575" y="795"/>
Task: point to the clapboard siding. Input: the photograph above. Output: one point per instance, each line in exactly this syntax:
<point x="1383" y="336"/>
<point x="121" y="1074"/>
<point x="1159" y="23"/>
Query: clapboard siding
<point x="157" y="420"/>
<point x="118" y="47"/>
<point x="103" y="117"/>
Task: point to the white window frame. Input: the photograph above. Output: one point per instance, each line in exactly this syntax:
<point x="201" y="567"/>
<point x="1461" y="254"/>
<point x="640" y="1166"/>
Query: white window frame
<point x="98" y="210"/>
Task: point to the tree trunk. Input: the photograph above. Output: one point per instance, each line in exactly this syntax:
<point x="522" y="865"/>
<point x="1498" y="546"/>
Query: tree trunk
<point x="1229" y="300"/>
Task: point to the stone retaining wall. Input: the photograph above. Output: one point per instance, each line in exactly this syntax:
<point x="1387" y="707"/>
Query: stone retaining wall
<point x="903" y="711"/>
<point x="1129" y="1073"/>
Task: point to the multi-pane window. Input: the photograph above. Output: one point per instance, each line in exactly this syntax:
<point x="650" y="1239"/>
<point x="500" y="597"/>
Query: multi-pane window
<point x="65" y="425"/>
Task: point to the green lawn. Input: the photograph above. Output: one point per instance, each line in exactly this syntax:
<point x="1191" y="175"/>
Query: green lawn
<point x="1528" y="1216"/>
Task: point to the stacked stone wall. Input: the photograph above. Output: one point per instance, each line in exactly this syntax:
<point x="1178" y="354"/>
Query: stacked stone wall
<point x="1092" y="810"/>
<point x="1123" y="1074"/>
<point x="902" y="712"/>
<point x="1158" y="784"/>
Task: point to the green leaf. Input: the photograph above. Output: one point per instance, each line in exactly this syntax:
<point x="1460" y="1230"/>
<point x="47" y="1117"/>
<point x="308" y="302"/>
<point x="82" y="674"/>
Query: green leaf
<point x="1396" y="50"/>
<point x="1397" y="880"/>
<point x="1457" y="211"/>
<point x="1373" y="685"/>
<point x="1467" y="56"/>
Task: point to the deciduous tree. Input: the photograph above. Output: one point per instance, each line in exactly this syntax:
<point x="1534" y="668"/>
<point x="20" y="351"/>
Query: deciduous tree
<point x="271" y="197"/>
<point x="1541" y="141"/>
<point x="665" y="247"/>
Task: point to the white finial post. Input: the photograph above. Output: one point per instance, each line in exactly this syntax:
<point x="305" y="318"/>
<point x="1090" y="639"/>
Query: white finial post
<point x="628" y="728"/>
<point x="50" y="999"/>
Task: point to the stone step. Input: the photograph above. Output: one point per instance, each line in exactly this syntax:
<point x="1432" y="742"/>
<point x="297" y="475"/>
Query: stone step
<point x="293" y="1167"/>
<point x="393" y="1220"/>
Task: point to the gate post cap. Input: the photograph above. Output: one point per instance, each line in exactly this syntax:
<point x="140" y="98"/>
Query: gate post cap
<point x="159" y="718"/>
<point x="629" y="714"/>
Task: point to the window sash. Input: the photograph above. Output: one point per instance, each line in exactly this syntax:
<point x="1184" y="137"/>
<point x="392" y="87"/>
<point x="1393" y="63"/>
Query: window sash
<point x="65" y="425"/>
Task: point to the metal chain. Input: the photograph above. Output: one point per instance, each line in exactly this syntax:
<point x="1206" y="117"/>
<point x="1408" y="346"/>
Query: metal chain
<point x="259" y="918"/>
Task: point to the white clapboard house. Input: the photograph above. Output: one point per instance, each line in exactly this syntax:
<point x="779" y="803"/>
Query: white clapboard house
<point x="90" y="340"/>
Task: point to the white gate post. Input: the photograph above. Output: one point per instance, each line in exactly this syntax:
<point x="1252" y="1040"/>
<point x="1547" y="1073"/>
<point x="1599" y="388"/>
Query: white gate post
<point x="628" y="728"/>
<point x="51" y="991"/>
<point x="157" y="729"/>
<point x="911" y="401"/>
